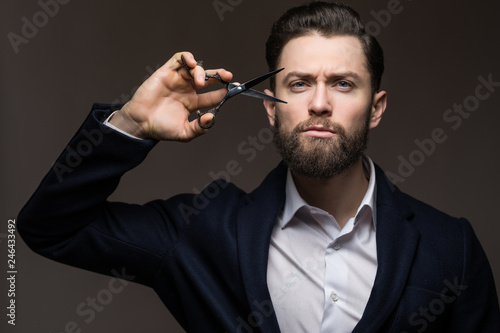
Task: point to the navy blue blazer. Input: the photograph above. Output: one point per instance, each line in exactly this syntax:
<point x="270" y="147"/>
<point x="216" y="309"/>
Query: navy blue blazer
<point x="206" y="255"/>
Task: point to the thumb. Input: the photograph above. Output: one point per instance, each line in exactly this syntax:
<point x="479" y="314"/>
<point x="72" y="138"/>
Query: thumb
<point x="195" y="130"/>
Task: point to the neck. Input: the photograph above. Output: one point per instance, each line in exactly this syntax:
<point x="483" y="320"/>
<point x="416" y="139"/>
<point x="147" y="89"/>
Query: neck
<point x="339" y="195"/>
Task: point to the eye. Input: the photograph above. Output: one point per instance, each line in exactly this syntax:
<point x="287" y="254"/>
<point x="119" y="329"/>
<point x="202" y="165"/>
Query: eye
<point x="344" y="85"/>
<point x="298" y="85"/>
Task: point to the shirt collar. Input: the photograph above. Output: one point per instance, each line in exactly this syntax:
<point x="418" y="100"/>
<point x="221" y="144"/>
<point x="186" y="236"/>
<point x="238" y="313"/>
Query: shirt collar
<point x="293" y="200"/>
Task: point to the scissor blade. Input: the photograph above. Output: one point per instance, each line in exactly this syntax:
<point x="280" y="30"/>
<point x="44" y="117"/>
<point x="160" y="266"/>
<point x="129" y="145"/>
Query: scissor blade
<point x="261" y="95"/>
<point x="249" y="84"/>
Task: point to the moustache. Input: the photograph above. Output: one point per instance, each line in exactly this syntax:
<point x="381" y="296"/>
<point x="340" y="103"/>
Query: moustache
<point x="325" y="123"/>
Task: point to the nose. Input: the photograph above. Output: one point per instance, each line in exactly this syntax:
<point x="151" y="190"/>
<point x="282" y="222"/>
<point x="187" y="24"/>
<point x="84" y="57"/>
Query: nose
<point x="320" y="103"/>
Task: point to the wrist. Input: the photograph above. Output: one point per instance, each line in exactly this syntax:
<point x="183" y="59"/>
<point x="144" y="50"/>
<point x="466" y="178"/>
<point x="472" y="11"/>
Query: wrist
<point x="124" y="122"/>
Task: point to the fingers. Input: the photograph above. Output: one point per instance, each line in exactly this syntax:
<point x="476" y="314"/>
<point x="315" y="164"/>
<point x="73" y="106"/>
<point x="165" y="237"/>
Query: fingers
<point x="194" y="129"/>
<point x="184" y="67"/>
<point x="194" y="71"/>
<point x="211" y="98"/>
<point x="200" y="80"/>
<point x="205" y="120"/>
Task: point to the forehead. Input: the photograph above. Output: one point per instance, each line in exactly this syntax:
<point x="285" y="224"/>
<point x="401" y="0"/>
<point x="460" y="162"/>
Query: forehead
<point x="314" y="54"/>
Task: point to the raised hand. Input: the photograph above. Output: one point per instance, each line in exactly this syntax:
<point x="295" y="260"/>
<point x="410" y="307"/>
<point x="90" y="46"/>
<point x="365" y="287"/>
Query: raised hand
<point x="160" y="108"/>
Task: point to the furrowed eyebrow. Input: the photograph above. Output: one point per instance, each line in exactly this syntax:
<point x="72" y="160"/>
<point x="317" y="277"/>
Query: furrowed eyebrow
<point x="344" y="75"/>
<point x="340" y="75"/>
<point x="295" y="74"/>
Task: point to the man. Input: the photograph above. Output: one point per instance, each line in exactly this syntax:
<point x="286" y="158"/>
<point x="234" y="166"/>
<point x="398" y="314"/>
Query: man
<point x="324" y="244"/>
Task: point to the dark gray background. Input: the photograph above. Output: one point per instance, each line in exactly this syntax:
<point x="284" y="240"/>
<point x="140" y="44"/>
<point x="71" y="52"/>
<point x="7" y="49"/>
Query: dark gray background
<point x="99" y="51"/>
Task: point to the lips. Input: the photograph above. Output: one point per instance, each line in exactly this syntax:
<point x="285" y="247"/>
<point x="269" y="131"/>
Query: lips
<point x="319" y="131"/>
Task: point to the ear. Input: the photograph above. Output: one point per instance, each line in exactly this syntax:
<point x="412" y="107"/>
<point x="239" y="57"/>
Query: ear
<point x="379" y="103"/>
<point x="269" y="105"/>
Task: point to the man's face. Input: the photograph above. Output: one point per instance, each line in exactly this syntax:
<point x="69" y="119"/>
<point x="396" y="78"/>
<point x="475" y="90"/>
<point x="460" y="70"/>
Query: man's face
<point x="323" y="129"/>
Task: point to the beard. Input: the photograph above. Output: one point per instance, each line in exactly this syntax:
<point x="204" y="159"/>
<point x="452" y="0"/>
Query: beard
<point x="320" y="158"/>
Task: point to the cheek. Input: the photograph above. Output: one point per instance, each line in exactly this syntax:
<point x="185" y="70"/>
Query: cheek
<point x="290" y="114"/>
<point x="349" y="108"/>
<point x="352" y="116"/>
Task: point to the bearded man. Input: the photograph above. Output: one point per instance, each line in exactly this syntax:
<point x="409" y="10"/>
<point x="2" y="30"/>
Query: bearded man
<point x="324" y="244"/>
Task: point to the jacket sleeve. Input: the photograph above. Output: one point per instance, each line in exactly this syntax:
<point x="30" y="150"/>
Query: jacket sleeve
<point x="473" y="294"/>
<point x="68" y="218"/>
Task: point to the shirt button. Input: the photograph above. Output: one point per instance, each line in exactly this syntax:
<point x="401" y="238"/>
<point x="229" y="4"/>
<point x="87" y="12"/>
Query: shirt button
<point x="313" y="211"/>
<point x="334" y="297"/>
<point x="336" y="246"/>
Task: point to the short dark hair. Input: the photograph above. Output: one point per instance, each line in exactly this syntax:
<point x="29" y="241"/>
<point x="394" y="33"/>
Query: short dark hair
<point x="327" y="19"/>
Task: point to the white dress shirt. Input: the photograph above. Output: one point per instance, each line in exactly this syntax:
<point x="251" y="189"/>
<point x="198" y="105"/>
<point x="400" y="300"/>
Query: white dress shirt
<point x="110" y="125"/>
<point x="319" y="275"/>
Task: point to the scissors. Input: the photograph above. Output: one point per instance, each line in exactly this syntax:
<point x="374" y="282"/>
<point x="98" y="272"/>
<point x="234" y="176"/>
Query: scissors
<point x="233" y="90"/>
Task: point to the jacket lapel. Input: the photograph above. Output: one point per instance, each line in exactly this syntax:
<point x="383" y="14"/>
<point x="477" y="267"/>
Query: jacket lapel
<point x="254" y="228"/>
<point x="397" y="241"/>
